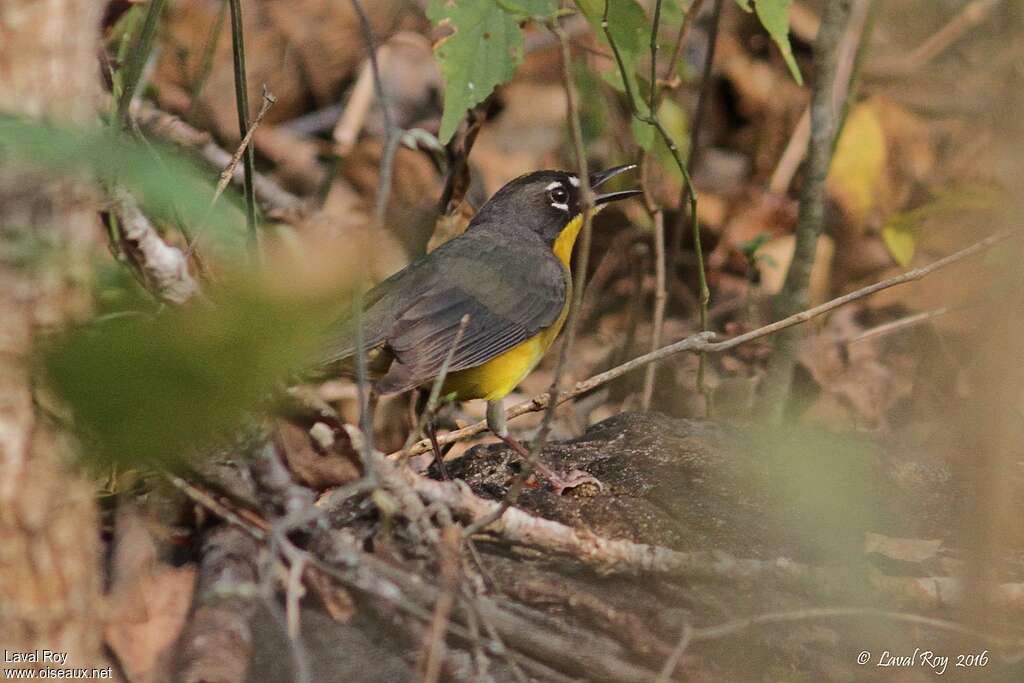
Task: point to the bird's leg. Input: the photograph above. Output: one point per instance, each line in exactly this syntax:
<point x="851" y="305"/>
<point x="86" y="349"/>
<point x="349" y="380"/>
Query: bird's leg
<point x="498" y="424"/>
<point x="430" y="427"/>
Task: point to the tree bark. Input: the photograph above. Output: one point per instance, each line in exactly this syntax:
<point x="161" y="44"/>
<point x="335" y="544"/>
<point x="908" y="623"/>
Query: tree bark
<point x="50" y="588"/>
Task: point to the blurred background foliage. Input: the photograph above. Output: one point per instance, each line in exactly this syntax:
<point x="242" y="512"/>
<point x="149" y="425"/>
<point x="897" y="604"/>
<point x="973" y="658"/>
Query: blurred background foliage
<point x="905" y="419"/>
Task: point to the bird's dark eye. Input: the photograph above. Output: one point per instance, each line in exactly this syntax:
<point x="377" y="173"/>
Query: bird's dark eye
<point x="558" y="195"/>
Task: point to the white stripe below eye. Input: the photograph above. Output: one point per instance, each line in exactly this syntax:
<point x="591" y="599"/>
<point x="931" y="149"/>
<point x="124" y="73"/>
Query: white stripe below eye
<point x="574" y="180"/>
<point x="553" y="185"/>
<point x="561" y="207"/>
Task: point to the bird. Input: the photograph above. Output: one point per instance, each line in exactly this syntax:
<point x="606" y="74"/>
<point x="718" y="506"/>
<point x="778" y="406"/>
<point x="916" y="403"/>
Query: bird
<point x="509" y="273"/>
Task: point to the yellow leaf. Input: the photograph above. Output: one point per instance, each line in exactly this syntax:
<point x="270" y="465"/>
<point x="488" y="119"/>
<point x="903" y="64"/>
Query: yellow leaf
<point x="859" y="163"/>
<point x="899" y="238"/>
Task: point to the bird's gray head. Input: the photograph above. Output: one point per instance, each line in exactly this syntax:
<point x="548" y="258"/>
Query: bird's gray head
<point x="544" y="202"/>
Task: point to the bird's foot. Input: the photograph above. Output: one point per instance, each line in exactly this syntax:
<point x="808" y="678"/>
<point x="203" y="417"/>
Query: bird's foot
<point x="570" y="480"/>
<point x="559" y="482"/>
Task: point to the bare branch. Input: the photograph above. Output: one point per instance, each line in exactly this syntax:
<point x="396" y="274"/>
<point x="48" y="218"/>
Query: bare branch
<point x="703" y="342"/>
<point x="242" y="106"/>
<point x="229" y="172"/>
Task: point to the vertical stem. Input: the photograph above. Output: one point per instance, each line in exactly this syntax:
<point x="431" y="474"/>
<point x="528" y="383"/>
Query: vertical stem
<point x="137" y="61"/>
<point x="391" y="132"/>
<point x="579" y="279"/>
<point x="794" y="294"/>
<point x="704" y="296"/>
<point x="651" y="118"/>
<point x="658" y="215"/>
<point x="660" y="299"/>
<point x="242" y="105"/>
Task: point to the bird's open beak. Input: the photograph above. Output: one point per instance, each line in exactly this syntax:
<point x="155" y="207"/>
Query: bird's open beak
<point x="599" y="177"/>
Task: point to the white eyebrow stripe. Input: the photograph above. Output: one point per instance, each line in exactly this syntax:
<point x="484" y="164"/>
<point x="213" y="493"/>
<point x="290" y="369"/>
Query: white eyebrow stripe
<point x="574" y="180"/>
<point x="553" y="185"/>
<point x="561" y="207"/>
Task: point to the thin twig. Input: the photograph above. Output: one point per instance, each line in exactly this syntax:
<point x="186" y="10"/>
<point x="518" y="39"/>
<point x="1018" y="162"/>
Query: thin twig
<point x="450" y="561"/>
<point x="677" y="654"/>
<point x="660" y="300"/>
<point x="579" y="281"/>
<point x="658" y="218"/>
<point x="435" y="390"/>
<point x="583" y="252"/>
<point x="201" y="497"/>
<point x="686" y="193"/>
<point x="273" y="198"/>
<point x="229" y="172"/>
<point x="392" y="134"/>
<point x="677" y="51"/>
<point x="702" y="342"/>
<point x="651" y="118"/>
<point x="970" y="16"/>
<point x="700" y="111"/>
<point x="242" y="105"/>
<point x="896" y="325"/>
<point x="350" y="123"/>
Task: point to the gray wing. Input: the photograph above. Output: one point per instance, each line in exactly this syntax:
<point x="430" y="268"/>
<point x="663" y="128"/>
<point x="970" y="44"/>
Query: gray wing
<point x="506" y="306"/>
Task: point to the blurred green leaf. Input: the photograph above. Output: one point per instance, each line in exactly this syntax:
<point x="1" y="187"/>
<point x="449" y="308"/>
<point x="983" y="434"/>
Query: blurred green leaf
<point x="120" y="39"/>
<point x="823" y="487"/>
<point x="147" y="390"/>
<point x="169" y="187"/>
<point x="593" y="107"/>
<point x="482" y="53"/>
<point x="774" y="16"/>
<point x="745" y="5"/>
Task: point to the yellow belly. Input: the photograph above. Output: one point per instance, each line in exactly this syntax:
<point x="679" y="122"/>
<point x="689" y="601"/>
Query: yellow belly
<point x="499" y="376"/>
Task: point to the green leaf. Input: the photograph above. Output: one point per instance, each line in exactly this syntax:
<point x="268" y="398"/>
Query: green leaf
<point x="676" y="123"/>
<point x="147" y="390"/>
<point x="672" y="12"/>
<point x="774" y="16"/>
<point x="168" y="186"/>
<point x="630" y="29"/>
<point x="745" y="5"/>
<point x="483" y="52"/>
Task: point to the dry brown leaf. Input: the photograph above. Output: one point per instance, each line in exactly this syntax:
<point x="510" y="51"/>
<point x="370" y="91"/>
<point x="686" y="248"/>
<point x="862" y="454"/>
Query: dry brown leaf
<point x="311" y="467"/>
